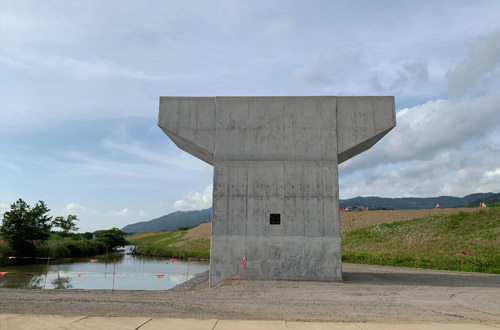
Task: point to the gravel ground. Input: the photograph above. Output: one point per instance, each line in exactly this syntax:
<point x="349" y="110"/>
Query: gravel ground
<point x="368" y="294"/>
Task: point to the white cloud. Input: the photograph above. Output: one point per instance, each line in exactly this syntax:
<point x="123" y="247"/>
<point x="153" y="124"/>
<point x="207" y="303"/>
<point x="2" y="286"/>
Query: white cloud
<point x="9" y="167"/>
<point x="482" y="64"/>
<point x="95" y="68"/>
<point x="195" y="201"/>
<point x="443" y="146"/>
<point x="121" y="213"/>
<point x="493" y="173"/>
<point x="128" y="213"/>
<point x="84" y="69"/>
<point x="423" y="131"/>
<point x="4" y="208"/>
<point x="74" y="208"/>
<point x="122" y="142"/>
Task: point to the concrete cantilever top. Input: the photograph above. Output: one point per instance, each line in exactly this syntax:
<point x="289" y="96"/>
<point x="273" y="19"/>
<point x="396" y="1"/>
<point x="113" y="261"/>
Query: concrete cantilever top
<point x="276" y="128"/>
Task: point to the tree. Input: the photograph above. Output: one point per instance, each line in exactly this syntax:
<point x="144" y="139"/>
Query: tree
<point x="67" y="225"/>
<point x="23" y="224"/>
<point x="112" y="238"/>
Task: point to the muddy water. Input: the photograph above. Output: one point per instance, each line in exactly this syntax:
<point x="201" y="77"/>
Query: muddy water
<point x="131" y="273"/>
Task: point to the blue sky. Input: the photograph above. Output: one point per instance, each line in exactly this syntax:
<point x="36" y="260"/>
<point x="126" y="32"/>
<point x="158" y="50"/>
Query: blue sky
<point x="80" y="82"/>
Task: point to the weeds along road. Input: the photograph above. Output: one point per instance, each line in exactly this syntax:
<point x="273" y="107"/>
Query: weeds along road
<point x="368" y="294"/>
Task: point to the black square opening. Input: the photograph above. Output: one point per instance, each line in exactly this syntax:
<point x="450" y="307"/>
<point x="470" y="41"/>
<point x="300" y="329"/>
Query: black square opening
<point x="275" y="218"/>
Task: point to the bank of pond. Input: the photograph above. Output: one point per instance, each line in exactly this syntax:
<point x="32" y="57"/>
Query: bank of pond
<point x="120" y="270"/>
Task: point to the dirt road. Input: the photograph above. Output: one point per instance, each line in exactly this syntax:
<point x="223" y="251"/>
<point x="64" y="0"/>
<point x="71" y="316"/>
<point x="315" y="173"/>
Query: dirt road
<point x="368" y="294"/>
<point x="355" y="220"/>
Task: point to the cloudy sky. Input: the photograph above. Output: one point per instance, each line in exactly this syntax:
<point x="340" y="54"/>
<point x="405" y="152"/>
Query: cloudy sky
<point x="80" y="82"/>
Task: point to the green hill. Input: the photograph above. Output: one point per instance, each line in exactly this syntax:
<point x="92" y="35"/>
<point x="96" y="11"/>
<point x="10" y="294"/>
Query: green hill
<point x="493" y="199"/>
<point x="172" y="221"/>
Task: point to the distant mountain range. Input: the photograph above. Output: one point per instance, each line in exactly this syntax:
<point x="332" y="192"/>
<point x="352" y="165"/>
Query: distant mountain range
<point x="174" y="221"/>
<point x="490" y="200"/>
<point x="409" y="203"/>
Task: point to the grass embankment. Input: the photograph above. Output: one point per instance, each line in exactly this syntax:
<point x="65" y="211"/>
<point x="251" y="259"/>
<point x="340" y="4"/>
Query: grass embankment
<point x="438" y="240"/>
<point x="171" y="244"/>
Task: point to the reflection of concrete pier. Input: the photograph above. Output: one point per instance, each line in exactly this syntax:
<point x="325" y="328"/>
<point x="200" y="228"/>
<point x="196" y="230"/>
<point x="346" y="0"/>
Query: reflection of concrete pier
<point x="275" y="160"/>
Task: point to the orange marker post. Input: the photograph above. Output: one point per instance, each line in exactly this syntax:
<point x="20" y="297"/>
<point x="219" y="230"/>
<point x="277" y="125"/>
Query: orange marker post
<point x="114" y="271"/>
<point x="418" y="259"/>
<point x="462" y="259"/>
<point x="46" y="272"/>
<point x="240" y="273"/>
<point x="187" y="274"/>
<point x="244" y="270"/>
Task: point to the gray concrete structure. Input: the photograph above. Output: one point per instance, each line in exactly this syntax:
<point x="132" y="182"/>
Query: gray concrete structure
<point x="275" y="160"/>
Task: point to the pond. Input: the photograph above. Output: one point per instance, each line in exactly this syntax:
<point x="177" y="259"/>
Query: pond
<point x="96" y="273"/>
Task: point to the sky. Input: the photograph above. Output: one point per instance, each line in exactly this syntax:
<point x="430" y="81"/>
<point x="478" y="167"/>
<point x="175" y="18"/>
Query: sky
<point x="80" y="83"/>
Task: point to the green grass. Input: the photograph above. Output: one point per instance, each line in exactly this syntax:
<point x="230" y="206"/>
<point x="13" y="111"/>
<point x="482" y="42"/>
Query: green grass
<point x="172" y="244"/>
<point x="440" y="238"/>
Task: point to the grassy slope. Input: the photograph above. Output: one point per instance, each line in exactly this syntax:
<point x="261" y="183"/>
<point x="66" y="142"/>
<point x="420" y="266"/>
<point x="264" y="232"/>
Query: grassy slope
<point x="440" y="238"/>
<point x="171" y="244"/>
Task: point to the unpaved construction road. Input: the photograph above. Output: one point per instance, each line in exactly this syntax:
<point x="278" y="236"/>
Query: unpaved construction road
<point x="356" y="220"/>
<point x="368" y="294"/>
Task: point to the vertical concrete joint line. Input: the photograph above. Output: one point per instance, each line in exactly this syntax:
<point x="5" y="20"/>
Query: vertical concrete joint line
<point x="216" y="322"/>
<point x="140" y="326"/>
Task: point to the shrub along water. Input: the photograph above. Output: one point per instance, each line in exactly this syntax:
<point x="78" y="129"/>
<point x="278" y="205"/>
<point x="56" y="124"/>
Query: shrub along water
<point x="70" y="248"/>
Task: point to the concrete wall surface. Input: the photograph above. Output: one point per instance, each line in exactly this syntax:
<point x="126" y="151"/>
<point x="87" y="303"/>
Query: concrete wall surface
<point x="276" y="158"/>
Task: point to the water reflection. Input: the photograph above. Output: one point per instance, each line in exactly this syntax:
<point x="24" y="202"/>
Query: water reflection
<point x="132" y="273"/>
<point x="62" y="283"/>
